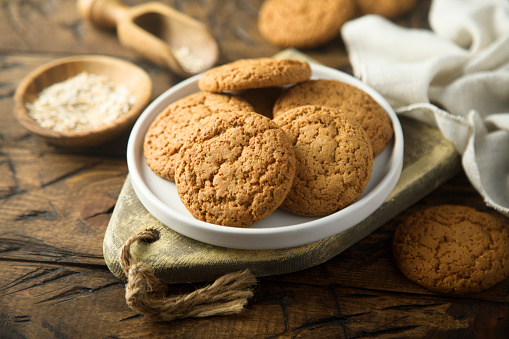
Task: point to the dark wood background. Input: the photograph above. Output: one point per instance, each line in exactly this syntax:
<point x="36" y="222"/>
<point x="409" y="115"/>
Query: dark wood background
<point x="55" y="205"/>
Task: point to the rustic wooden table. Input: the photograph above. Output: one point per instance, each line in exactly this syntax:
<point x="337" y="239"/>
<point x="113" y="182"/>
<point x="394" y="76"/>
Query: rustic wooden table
<point x="55" y="205"/>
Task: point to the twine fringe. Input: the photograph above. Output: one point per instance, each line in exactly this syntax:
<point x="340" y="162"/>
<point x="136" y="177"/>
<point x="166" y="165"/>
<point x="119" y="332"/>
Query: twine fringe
<point x="144" y="293"/>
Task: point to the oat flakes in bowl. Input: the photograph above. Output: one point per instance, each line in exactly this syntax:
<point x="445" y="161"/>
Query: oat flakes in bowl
<point x="82" y="101"/>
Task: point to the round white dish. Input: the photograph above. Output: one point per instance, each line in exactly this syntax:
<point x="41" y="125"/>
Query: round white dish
<point x="281" y="229"/>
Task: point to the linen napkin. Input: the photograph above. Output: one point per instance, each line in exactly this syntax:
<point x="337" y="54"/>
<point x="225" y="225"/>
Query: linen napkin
<point x="454" y="76"/>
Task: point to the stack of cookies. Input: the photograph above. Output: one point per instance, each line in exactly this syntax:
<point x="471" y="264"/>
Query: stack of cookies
<point x="261" y="135"/>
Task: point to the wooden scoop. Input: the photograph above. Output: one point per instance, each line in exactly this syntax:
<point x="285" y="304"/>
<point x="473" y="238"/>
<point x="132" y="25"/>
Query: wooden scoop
<point x="159" y="33"/>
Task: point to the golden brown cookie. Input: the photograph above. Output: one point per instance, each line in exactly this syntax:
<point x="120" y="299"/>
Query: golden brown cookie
<point x="254" y="73"/>
<point x="235" y="170"/>
<point x="336" y="94"/>
<point x="452" y="249"/>
<point x="390" y="9"/>
<point x="303" y="23"/>
<point x="334" y="159"/>
<point x="173" y="126"/>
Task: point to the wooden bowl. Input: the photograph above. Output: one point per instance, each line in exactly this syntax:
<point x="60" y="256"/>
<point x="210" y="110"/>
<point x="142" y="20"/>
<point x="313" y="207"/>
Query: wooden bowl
<point x="118" y="71"/>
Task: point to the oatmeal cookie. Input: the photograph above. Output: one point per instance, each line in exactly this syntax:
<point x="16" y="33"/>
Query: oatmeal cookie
<point x="254" y="73"/>
<point x="303" y="23"/>
<point x="452" y="249"/>
<point x="235" y="170"/>
<point x="337" y="94"/>
<point x="173" y="126"/>
<point x="334" y="159"/>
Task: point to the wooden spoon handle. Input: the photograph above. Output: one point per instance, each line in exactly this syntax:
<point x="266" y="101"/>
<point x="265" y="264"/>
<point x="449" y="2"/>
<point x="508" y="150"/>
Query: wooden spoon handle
<point x="103" y="13"/>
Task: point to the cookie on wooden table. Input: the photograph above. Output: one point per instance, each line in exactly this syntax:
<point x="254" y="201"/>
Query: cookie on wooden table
<point x="303" y="23"/>
<point x="390" y="9"/>
<point x="452" y="249"/>
<point x="173" y="126"/>
<point x="334" y="159"/>
<point x="235" y="170"/>
<point x="337" y="94"/>
<point x="254" y="73"/>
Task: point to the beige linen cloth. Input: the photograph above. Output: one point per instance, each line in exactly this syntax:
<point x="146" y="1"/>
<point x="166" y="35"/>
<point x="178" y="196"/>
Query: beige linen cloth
<point x="454" y="77"/>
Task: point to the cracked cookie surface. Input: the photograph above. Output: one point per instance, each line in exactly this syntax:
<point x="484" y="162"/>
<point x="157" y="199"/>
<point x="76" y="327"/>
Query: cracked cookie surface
<point x="235" y="170"/>
<point x="452" y="249"/>
<point x="254" y="73"/>
<point x="334" y="159"/>
<point x="336" y="94"/>
<point x="174" y="125"/>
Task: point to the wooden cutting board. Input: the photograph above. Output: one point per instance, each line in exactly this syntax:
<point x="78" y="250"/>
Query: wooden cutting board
<point x="429" y="161"/>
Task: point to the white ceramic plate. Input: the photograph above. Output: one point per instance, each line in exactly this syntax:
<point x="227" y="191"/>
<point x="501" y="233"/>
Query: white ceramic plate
<point x="281" y="229"/>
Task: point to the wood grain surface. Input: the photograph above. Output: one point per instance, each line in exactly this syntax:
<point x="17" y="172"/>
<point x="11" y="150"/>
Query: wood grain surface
<point x="55" y="206"/>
